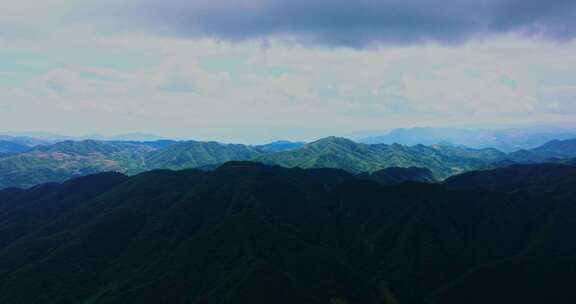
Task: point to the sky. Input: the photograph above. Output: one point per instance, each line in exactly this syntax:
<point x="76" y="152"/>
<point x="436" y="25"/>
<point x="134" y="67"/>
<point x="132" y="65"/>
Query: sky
<point x="252" y="71"/>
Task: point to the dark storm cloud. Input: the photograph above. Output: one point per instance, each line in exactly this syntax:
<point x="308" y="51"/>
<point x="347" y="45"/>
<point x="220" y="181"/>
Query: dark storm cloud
<point x="359" y="23"/>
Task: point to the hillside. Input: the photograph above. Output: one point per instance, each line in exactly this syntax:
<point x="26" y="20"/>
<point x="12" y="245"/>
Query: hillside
<point x="334" y="152"/>
<point x="249" y="233"/>
<point x="61" y="161"/>
<point x="24" y="140"/>
<point x="555" y="149"/>
<point x="192" y="154"/>
<point x="64" y="160"/>
<point x="511" y="177"/>
<point x="280" y="145"/>
<point x="398" y="175"/>
<point x="12" y="147"/>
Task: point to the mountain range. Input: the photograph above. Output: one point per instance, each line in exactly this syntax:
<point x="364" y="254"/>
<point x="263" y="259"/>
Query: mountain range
<point x="555" y="149"/>
<point x="341" y="153"/>
<point x="504" y="139"/>
<point x="12" y="147"/>
<point x="251" y="233"/>
<point x="61" y="161"/>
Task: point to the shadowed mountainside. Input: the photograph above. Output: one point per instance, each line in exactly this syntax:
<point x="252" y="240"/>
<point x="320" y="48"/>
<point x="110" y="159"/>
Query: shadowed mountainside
<point x="250" y="233"/>
<point x="510" y="177"/>
<point x="398" y="175"/>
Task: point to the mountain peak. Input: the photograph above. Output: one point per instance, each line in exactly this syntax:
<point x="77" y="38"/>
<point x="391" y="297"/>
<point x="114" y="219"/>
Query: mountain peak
<point x="334" y="140"/>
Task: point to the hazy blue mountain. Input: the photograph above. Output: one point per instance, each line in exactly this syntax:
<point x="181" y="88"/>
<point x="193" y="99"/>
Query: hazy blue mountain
<point x="12" y="147"/>
<point x="556" y="149"/>
<point x="25" y="141"/>
<point x="156" y="144"/>
<point x="248" y="233"/>
<point x="507" y="140"/>
<point x="136" y="136"/>
<point x="47" y="137"/>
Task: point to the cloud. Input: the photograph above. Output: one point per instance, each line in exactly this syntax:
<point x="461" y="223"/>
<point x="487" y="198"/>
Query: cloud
<point x="182" y="74"/>
<point x="19" y="19"/>
<point x="242" y="91"/>
<point x="354" y="23"/>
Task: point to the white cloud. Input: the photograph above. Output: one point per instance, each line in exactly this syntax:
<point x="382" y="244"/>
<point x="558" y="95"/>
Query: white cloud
<point x="208" y="88"/>
<point x="183" y="74"/>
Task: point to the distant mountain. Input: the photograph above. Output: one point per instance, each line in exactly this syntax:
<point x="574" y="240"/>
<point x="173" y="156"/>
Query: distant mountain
<point x="279" y="146"/>
<point x="556" y="149"/>
<point x="25" y="141"/>
<point x="12" y="147"/>
<point x="191" y="154"/>
<point x="507" y="140"/>
<point x="47" y="137"/>
<point x="341" y="153"/>
<point x="398" y="175"/>
<point x="61" y="161"/>
<point x="248" y="233"/>
<point x="156" y="144"/>
<point x="124" y="137"/>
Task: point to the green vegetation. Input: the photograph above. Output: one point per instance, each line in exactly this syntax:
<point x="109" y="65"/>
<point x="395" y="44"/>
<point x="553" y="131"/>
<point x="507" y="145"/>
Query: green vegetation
<point x="61" y="161"/>
<point x="192" y="154"/>
<point x="341" y="153"/>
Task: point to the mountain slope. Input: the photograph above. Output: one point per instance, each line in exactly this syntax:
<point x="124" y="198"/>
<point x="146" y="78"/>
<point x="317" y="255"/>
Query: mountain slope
<point x="556" y="149"/>
<point x="12" y="147"/>
<point x="397" y="175"/>
<point x="64" y="160"/>
<point x="511" y="177"/>
<point x="250" y="233"/>
<point x="280" y="145"/>
<point x="191" y="154"/>
<point x="345" y="154"/>
<point x="61" y="161"/>
<point x="24" y="140"/>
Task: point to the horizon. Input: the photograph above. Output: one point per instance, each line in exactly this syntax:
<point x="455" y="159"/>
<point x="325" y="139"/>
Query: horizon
<point x="359" y="136"/>
<point x="253" y="71"/>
